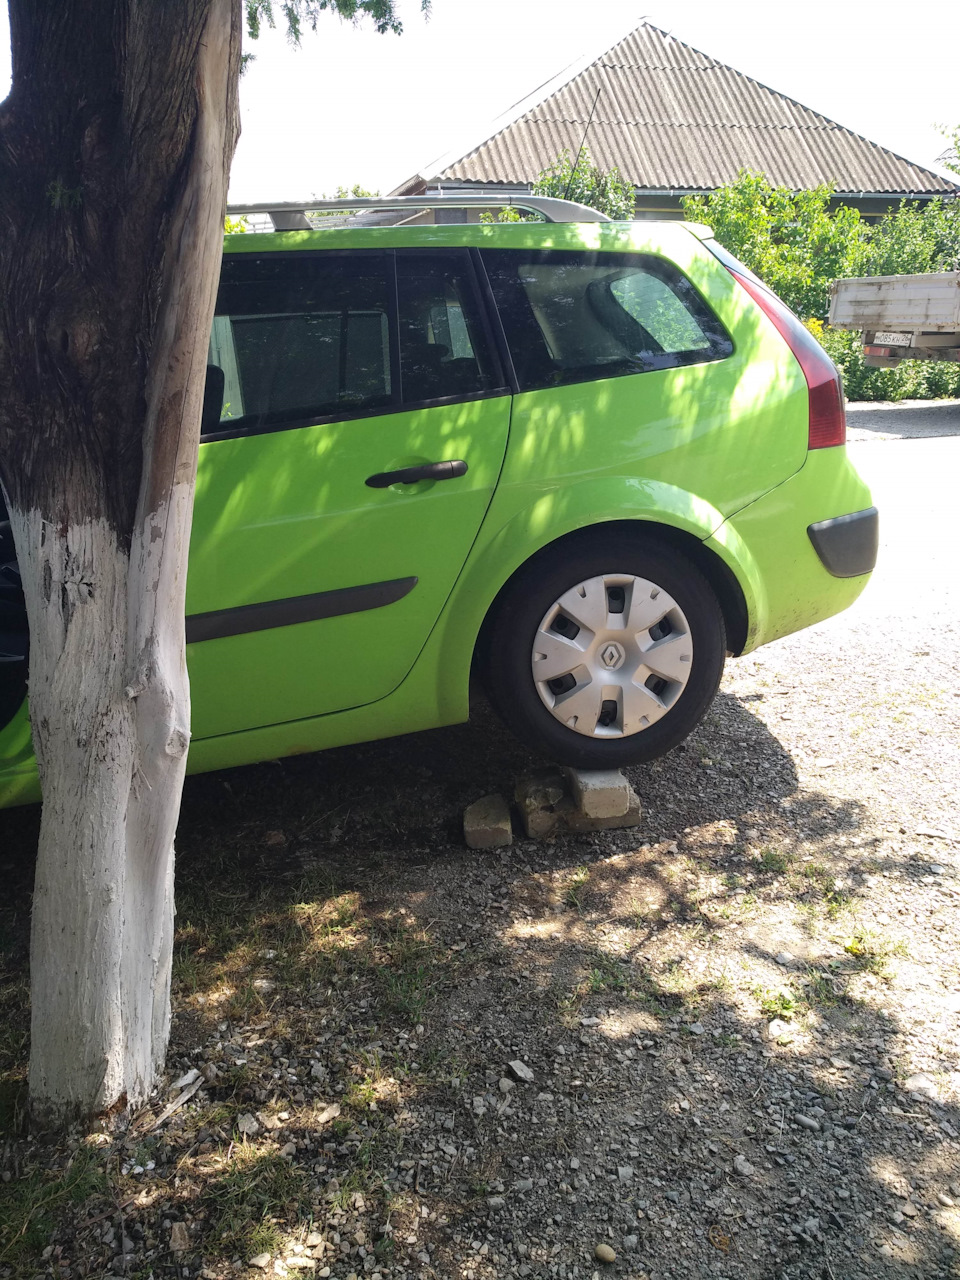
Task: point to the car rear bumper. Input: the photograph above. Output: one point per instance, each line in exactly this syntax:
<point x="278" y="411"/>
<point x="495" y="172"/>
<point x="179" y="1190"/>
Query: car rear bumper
<point x="847" y="545"/>
<point x="799" y="554"/>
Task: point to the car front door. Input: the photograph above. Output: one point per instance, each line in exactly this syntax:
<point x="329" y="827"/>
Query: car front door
<point x="363" y="426"/>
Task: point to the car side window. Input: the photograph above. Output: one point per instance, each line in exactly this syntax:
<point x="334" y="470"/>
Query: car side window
<point x="300" y="338"/>
<point x="444" y="349"/>
<point x="574" y="317"/>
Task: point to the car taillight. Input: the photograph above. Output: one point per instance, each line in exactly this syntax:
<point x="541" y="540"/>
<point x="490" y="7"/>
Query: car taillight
<point x="828" y="419"/>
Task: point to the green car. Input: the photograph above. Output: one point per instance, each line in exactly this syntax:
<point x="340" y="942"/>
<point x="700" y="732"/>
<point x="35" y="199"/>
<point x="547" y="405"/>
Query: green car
<point x="582" y="460"/>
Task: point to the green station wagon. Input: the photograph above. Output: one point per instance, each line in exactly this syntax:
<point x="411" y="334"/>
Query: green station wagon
<point x="582" y="460"/>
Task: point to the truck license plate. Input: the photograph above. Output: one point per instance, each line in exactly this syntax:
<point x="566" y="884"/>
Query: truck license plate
<point x="885" y="339"/>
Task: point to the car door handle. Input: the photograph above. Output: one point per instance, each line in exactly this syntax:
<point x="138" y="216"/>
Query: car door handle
<point x="410" y="475"/>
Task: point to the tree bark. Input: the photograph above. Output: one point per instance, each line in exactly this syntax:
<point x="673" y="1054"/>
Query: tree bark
<point x="115" y="148"/>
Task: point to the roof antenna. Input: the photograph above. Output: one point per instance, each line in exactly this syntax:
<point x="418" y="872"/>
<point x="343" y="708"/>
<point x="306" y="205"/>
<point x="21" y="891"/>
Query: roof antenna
<point x="573" y="171"/>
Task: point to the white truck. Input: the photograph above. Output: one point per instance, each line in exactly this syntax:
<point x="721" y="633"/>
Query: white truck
<point x="901" y="317"/>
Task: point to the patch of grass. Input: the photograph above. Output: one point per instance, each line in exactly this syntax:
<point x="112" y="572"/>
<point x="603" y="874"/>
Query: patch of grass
<point x="640" y="912"/>
<point x="835" y="899"/>
<point x="362" y="1178"/>
<point x="30" y="1206"/>
<point x="607" y="975"/>
<point x="409" y="970"/>
<point x="190" y="971"/>
<point x="774" y="859"/>
<point x="223" y="931"/>
<point x="675" y="982"/>
<point x="14" y="1039"/>
<point x="384" y="1250"/>
<point x="409" y="991"/>
<point x="244" y="1202"/>
<point x="778" y="1002"/>
<point x="815" y="871"/>
<point x="872" y="952"/>
<point x="360" y="1094"/>
<point x="575" y="887"/>
<point x="567" y="1003"/>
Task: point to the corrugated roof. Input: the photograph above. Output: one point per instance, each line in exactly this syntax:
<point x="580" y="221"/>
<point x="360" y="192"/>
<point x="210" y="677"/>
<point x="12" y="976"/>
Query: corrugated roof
<point x="670" y="118"/>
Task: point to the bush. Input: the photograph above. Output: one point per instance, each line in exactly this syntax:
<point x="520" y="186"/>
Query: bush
<point x="582" y="181"/>
<point x="798" y="245"/>
<point x="792" y="240"/>
<point x="587" y="184"/>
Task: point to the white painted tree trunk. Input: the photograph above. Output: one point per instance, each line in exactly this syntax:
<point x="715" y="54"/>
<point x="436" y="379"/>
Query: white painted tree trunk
<point x="108" y="690"/>
<point x="103" y="903"/>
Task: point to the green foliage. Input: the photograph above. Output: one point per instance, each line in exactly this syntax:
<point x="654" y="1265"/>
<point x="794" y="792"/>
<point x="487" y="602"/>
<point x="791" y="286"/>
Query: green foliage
<point x="912" y="239"/>
<point x="30" y="1205"/>
<point x="305" y="14"/>
<point x="583" y="182"/>
<point x="301" y="14"/>
<point x="798" y="244"/>
<point x="951" y="157"/>
<point x="587" y="184"/>
<point x="356" y="192"/>
<point x="792" y="240"/>
<point x="243" y="1202"/>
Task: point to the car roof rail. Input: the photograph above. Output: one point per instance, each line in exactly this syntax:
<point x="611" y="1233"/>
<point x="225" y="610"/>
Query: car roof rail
<point x="287" y="216"/>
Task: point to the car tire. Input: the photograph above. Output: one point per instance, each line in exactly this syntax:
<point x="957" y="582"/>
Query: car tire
<point x="606" y="651"/>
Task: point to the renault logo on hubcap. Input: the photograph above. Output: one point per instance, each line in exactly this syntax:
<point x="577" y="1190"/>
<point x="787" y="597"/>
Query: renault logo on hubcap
<point x="612" y="655"/>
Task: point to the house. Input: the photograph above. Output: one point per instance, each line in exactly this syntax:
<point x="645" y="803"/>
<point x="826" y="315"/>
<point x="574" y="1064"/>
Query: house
<point x="676" y="122"/>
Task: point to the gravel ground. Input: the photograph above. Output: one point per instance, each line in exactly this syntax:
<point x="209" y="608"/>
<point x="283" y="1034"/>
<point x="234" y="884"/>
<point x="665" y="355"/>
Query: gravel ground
<point x="724" y="1044"/>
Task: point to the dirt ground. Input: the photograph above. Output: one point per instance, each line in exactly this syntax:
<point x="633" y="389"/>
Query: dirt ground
<point x="734" y="1031"/>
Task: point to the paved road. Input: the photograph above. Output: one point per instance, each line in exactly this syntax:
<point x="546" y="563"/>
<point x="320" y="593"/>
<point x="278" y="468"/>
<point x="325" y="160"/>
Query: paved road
<point x="916" y="486"/>
<point x="905" y="420"/>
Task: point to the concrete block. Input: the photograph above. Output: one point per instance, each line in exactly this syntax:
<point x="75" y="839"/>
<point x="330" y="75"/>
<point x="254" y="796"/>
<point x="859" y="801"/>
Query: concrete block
<point x="599" y="793"/>
<point x="577" y="821"/>
<point x="540" y="798"/>
<point x="486" y="823"/>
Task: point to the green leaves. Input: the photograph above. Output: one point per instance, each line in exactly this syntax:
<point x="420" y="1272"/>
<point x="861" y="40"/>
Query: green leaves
<point x="951" y="157"/>
<point x="800" y="241"/>
<point x="587" y="184"/>
<point x="795" y="241"/>
<point x="300" y="14"/>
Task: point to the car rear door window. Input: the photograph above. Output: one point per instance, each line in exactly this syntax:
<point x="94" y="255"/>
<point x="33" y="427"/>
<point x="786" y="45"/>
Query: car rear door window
<point x="300" y="339"/>
<point x="575" y="317"/>
<point x="445" y="350"/>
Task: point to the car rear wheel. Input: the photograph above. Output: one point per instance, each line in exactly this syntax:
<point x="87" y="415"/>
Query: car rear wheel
<point x="605" y="652"/>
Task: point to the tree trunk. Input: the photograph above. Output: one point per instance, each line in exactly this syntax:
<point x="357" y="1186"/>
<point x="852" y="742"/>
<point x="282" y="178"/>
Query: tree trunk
<point x="115" y="146"/>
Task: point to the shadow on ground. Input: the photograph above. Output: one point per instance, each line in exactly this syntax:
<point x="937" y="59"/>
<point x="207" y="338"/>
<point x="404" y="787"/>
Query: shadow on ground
<point x="705" y="1006"/>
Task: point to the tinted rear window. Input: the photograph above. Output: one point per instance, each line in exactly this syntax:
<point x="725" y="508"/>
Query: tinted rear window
<point x="575" y="317"/>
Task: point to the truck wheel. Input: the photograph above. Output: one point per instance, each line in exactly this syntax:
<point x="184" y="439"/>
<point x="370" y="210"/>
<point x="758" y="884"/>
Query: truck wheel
<point x="607" y="653"/>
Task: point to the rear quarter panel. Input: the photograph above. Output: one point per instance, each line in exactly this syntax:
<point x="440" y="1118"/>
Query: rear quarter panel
<point x="724" y="431"/>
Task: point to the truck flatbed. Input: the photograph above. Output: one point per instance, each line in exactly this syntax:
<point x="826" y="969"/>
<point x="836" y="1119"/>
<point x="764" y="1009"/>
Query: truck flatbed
<point x="908" y="317"/>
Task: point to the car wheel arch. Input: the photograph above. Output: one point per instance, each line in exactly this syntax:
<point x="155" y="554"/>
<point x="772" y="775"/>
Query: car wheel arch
<point x="719" y="576"/>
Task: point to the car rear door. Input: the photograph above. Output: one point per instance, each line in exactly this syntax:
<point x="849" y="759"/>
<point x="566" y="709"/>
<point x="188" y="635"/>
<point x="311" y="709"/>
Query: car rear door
<point x="319" y="560"/>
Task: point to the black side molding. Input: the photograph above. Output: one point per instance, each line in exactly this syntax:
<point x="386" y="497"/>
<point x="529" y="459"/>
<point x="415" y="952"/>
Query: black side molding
<point x="220" y="623"/>
<point x="847" y="545"/>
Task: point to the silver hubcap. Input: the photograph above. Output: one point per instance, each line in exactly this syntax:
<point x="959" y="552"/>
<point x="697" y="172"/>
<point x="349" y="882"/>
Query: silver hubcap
<point x="612" y="656"/>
